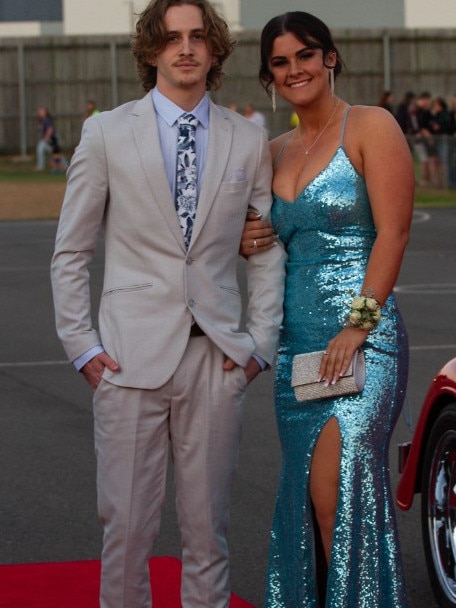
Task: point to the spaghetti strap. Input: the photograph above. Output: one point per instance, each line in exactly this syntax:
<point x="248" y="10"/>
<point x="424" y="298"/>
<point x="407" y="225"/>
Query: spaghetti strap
<point x="282" y="148"/>
<point x="342" y="130"/>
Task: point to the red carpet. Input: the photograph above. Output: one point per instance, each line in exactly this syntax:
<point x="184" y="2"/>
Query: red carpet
<point x="76" y="585"/>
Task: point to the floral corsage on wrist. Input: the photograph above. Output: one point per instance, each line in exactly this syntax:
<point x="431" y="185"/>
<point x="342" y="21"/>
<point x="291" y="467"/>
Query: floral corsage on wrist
<point x="365" y="313"/>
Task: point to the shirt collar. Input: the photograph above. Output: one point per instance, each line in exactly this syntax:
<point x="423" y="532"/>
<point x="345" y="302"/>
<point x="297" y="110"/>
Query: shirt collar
<point x="170" y="112"/>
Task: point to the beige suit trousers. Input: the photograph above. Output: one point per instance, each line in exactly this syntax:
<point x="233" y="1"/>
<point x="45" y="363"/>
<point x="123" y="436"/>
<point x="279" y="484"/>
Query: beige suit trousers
<point x="198" y="413"/>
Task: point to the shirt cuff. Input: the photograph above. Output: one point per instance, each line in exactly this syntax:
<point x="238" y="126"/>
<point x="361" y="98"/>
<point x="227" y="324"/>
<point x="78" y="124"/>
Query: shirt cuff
<point x="87" y="356"/>
<point x="261" y="362"/>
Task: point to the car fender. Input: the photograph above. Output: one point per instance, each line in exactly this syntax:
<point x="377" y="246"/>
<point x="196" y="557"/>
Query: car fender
<point x="441" y="392"/>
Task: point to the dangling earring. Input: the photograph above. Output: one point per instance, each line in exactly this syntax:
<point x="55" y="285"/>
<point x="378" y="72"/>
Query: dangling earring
<point x="273" y="99"/>
<point x="331" y="81"/>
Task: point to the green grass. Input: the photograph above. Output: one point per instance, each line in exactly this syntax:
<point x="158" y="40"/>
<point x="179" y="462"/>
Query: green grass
<point x="432" y="197"/>
<point x="17" y="169"/>
<point x="22" y="170"/>
<point x="38" y="177"/>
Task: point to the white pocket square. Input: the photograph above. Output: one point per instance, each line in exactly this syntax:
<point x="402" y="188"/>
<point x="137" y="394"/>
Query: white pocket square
<point x="238" y="175"/>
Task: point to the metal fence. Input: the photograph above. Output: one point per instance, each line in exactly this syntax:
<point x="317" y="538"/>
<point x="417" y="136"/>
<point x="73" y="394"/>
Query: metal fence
<point x="63" y="72"/>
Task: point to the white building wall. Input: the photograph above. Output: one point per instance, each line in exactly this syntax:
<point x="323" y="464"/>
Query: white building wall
<point x="231" y="10"/>
<point x="24" y="28"/>
<point x="12" y="29"/>
<point x="430" y="13"/>
<point x="99" y="16"/>
<point x="119" y="16"/>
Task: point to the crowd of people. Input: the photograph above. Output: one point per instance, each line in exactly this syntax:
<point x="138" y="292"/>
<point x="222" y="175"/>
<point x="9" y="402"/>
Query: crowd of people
<point x="427" y="121"/>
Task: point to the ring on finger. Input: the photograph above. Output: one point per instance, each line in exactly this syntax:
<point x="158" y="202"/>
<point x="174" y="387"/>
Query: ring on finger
<point x="326" y="354"/>
<point x="255" y="244"/>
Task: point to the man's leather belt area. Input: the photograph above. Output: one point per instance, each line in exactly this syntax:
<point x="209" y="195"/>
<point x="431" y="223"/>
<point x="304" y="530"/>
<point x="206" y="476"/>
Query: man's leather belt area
<point x="196" y="331"/>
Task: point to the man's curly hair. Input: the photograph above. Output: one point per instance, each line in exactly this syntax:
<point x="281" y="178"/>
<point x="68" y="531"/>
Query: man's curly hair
<point x="151" y="38"/>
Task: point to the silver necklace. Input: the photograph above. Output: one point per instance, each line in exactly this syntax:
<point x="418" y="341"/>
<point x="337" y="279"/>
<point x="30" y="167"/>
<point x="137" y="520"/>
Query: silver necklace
<point x="317" y="137"/>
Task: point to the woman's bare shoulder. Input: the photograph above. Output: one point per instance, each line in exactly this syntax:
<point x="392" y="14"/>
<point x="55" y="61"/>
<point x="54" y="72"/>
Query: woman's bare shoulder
<point x="372" y="116"/>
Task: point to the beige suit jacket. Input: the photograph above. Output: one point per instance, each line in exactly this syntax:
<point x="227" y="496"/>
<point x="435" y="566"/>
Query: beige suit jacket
<point x="153" y="287"/>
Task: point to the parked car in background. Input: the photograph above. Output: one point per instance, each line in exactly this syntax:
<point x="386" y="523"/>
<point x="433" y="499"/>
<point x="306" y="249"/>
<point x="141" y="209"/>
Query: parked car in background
<point x="429" y="468"/>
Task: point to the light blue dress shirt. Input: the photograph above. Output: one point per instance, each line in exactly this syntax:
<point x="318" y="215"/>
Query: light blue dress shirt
<point x="167" y="114"/>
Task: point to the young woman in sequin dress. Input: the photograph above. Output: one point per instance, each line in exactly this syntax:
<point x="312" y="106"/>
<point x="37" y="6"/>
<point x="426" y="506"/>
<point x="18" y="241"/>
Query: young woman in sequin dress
<point x="343" y="195"/>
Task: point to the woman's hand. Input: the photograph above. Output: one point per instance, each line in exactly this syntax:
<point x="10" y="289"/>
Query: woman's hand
<point x="258" y="235"/>
<point x="339" y="353"/>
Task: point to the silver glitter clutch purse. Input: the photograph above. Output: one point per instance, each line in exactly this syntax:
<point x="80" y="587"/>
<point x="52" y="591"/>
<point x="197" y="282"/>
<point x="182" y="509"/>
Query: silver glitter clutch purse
<point x="305" y="373"/>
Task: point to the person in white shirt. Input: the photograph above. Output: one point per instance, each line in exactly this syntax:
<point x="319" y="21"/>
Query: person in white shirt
<point x="254" y="116"/>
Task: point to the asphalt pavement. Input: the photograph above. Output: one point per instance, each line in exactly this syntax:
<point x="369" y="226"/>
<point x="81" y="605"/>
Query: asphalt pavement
<point x="47" y="465"/>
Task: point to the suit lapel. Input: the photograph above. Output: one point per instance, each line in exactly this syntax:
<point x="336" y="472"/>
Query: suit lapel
<point x="145" y="131"/>
<point x="219" y="147"/>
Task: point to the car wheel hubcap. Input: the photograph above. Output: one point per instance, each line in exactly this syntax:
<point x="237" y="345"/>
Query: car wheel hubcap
<point x="442" y="512"/>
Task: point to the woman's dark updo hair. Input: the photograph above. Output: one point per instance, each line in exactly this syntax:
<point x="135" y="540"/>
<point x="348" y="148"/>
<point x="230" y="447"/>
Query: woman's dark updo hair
<point x="307" y="28"/>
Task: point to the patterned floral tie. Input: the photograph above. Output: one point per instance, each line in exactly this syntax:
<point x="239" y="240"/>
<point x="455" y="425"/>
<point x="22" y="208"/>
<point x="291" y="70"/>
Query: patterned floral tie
<point x="186" y="175"/>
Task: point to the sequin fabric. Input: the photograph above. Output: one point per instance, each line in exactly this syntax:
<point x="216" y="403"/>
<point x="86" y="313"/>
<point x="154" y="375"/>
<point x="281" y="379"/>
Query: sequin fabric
<point x="328" y="232"/>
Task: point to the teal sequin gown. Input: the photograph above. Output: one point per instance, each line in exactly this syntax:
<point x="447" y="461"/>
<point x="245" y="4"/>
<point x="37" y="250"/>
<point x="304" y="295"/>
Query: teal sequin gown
<point x="328" y="232"/>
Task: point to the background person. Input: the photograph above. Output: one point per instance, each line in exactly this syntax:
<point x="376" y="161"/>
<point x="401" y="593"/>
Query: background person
<point x="386" y="101"/>
<point x="343" y="197"/>
<point x="423" y="143"/>
<point x="294" y="120"/>
<point x="440" y="128"/>
<point x="46" y="131"/>
<point x="59" y="163"/>
<point x="403" y="112"/>
<point x="90" y="109"/>
<point x="452" y="115"/>
<point x="171" y="361"/>
<point x="254" y="116"/>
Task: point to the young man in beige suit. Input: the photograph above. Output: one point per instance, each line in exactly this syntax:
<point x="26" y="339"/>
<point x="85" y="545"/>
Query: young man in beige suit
<point x="170" y="362"/>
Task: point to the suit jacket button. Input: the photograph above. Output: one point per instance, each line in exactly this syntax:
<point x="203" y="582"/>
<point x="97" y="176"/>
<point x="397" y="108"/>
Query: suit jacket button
<point x="191" y="302"/>
<point x="189" y="260"/>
